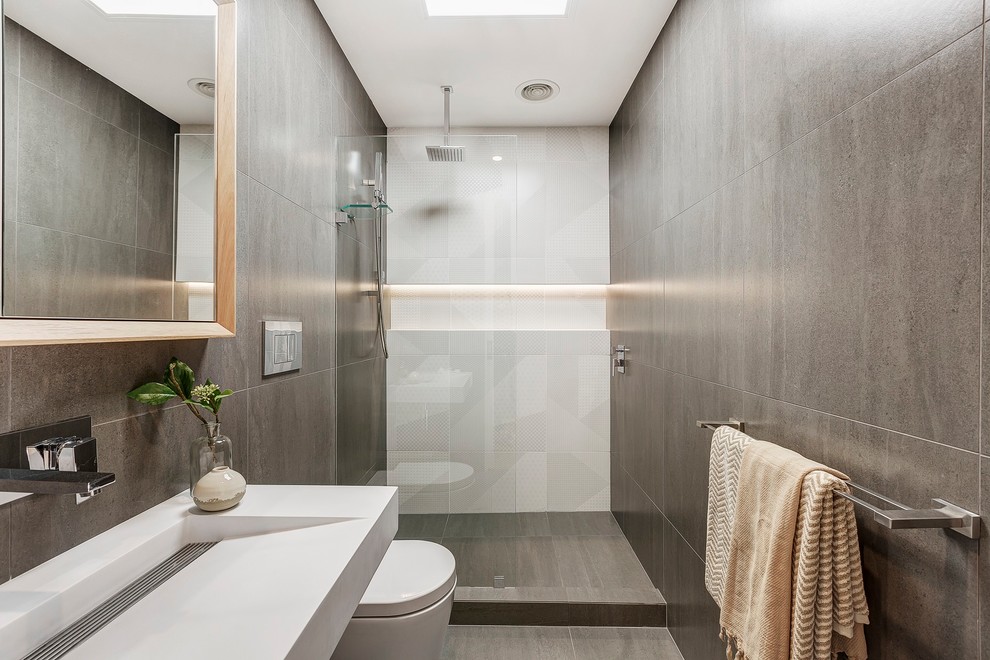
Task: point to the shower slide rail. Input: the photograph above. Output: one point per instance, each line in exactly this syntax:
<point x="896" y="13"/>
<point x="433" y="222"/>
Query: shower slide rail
<point x="893" y="514"/>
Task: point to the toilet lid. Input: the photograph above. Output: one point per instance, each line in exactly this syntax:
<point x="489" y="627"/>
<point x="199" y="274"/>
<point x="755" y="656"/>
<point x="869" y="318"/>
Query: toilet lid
<point x="413" y="576"/>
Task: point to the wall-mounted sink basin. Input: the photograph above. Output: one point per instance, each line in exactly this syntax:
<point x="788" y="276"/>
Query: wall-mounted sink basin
<point x="287" y="573"/>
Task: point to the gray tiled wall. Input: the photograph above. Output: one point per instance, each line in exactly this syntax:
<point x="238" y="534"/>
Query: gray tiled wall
<point x="296" y="93"/>
<point x="102" y="246"/>
<point x="796" y="242"/>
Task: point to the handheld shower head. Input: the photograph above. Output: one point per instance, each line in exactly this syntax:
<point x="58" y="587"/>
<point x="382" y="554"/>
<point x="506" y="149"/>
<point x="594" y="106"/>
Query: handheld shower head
<point x="445" y="153"/>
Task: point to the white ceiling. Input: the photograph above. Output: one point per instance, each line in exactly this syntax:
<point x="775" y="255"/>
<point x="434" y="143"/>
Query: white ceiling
<point x="153" y="58"/>
<point x="402" y="57"/>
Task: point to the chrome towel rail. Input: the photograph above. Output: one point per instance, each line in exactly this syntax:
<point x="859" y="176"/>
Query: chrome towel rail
<point x="734" y="423"/>
<point x="893" y="514"/>
<point x="943" y="515"/>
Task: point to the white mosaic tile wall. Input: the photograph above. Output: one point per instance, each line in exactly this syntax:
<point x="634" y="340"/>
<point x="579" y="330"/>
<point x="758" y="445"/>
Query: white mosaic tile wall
<point x="540" y="216"/>
<point x="499" y="421"/>
<point x="498" y="392"/>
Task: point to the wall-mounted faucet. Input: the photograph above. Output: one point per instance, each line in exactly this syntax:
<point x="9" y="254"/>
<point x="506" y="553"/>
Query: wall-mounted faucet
<point x="58" y="465"/>
<point x="55" y="482"/>
<point x="619" y="359"/>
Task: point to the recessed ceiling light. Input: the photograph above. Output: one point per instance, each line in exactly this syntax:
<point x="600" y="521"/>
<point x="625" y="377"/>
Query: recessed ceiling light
<point x="157" y="7"/>
<point x="496" y="7"/>
<point x="497" y="159"/>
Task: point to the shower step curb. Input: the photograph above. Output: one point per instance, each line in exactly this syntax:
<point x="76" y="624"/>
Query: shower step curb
<point x="530" y="613"/>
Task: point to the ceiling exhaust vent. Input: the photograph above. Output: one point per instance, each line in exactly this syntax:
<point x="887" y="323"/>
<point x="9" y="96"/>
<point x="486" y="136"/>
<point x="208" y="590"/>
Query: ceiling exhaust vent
<point x="538" y="90"/>
<point x="203" y="86"/>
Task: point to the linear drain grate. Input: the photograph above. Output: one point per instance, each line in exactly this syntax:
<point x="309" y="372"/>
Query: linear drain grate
<point x="114" y="606"/>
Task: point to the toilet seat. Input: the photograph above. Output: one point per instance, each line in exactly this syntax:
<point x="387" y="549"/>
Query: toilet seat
<point x="413" y="576"/>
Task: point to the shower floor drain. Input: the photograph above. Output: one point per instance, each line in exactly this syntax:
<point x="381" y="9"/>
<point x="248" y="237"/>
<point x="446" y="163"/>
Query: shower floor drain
<point x="117" y="604"/>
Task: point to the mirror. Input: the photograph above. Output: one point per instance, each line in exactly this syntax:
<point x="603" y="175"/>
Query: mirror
<point x="110" y="175"/>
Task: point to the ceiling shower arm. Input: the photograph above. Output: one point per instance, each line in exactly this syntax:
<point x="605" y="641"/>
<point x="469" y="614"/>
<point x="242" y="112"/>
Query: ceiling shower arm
<point x="445" y="153"/>
<point x="447" y="91"/>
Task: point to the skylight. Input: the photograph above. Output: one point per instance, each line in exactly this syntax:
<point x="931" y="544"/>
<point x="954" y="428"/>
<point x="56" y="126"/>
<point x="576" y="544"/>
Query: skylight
<point x="496" y="7"/>
<point x="157" y="7"/>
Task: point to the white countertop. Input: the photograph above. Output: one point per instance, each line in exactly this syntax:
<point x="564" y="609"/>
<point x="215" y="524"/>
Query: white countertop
<point x="290" y="570"/>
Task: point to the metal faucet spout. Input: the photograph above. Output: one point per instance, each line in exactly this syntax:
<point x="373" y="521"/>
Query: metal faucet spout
<point x="54" y="482"/>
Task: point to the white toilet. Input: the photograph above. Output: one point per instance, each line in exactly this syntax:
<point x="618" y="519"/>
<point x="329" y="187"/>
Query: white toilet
<point x="404" y="613"/>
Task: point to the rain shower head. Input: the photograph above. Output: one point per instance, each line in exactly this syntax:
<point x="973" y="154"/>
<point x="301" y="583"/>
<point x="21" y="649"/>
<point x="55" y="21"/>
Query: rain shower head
<point x="445" y="153"/>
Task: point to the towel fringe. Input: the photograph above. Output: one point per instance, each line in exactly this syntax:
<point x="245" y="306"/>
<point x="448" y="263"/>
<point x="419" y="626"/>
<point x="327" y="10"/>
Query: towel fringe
<point x="724" y="636"/>
<point x="731" y="644"/>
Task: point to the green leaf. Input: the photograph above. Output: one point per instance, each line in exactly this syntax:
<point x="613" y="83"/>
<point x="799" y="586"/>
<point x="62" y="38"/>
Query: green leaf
<point x="180" y="377"/>
<point x="153" y="394"/>
<point x="191" y="402"/>
<point x="218" y="399"/>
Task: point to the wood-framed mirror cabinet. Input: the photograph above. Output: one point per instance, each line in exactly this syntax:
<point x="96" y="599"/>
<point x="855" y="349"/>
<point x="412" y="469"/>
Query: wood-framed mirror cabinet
<point x="37" y="67"/>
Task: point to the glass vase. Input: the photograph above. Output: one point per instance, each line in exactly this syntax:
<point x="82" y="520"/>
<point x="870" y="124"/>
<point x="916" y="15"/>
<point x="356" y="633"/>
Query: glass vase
<point x="207" y="452"/>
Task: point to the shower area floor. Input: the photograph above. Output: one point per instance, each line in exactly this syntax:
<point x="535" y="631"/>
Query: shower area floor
<point x="556" y="569"/>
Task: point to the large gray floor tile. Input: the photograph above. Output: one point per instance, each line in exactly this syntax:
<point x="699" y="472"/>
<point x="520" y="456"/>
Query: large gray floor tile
<point x="624" y="644"/>
<point x="522" y="561"/>
<point x="583" y="523"/>
<point x="421" y="525"/>
<point x="599" y="562"/>
<point x="527" y="561"/>
<point x="646" y="595"/>
<point x="512" y="594"/>
<point x="465" y="525"/>
<point x="474" y="560"/>
<point x="498" y="643"/>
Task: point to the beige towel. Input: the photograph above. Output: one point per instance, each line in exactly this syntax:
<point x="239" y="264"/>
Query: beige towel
<point x="780" y="577"/>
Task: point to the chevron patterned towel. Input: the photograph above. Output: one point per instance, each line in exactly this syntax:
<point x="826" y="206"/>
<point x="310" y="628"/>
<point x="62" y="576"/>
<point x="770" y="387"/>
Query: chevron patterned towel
<point x="791" y="575"/>
<point x="828" y="602"/>
<point x="728" y="445"/>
